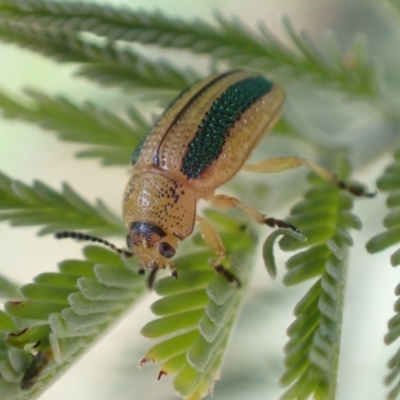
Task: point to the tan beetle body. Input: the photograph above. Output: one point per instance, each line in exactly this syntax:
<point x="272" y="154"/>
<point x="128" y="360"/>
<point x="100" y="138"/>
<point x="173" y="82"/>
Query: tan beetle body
<point x="160" y="198"/>
<point x="200" y="142"/>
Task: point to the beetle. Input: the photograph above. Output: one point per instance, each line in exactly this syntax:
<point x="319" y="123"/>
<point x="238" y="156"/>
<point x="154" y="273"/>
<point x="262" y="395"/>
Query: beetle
<point x="199" y="143"/>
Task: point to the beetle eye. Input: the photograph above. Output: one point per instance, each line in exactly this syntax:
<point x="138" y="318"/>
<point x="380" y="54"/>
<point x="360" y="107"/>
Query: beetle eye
<point x="166" y="250"/>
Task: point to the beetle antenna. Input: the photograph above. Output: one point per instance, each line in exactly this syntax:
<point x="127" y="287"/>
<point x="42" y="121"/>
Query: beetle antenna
<point x="84" y="236"/>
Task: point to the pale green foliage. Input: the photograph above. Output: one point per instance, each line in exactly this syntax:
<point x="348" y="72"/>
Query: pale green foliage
<point x="197" y="313"/>
<point x="66" y="311"/>
<point x="110" y="137"/>
<point x="312" y="352"/>
<point x="56" y="22"/>
<point x="389" y="182"/>
<point x="22" y="205"/>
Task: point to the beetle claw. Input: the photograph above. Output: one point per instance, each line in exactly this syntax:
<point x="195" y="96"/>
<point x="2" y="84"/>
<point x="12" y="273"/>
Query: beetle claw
<point x="355" y="189"/>
<point x="228" y="275"/>
<point x="272" y="222"/>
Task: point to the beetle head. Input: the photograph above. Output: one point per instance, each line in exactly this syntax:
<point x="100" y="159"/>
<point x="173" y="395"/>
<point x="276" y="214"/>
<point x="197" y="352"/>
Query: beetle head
<point x="151" y="244"/>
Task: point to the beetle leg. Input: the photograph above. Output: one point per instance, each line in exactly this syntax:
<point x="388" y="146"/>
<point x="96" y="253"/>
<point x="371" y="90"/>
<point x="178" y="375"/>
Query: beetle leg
<point x="225" y="202"/>
<point x="213" y="240"/>
<point x="153" y="273"/>
<point x="280" y="164"/>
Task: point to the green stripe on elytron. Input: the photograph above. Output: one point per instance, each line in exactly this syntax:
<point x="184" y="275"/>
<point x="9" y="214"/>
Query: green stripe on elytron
<point x="208" y="142"/>
<point x="138" y="149"/>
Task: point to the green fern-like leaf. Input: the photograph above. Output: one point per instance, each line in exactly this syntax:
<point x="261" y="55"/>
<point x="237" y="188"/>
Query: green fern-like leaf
<point x="197" y="313"/>
<point x="109" y="65"/>
<point x="229" y="41"/>
<point x="111" y="138"/>
<point x="392" y="379"/>
<point x="312" y="352"/>
<point x="22" y="205"/>
<point x="389" y="182"/>
<point x="59" y="316"/>
<point x="106" y="64"/>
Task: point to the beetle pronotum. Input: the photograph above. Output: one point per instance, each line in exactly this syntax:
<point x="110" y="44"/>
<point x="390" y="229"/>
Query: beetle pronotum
<point x="200" y="142"/>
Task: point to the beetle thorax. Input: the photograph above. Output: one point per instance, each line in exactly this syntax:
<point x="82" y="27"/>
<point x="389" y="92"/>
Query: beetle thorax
<point x="158" y="211"/>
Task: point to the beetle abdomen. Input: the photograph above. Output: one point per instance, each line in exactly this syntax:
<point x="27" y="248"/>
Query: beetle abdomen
<point x="209" y="131"/>
<point x="210" y="137"/>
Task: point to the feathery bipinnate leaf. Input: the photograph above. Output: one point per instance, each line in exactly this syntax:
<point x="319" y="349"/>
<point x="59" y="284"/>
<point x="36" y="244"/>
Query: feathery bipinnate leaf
<point x="393" y="334"/>
<point x="22" y="205"/>
<point x="228" y="41"/>
<point x="107" y="63"/>
<point x="197" y="313"/>
<point x="60" y="315"/>
<point x="389" y="182"/>
<point x="112" y="138"/>
<point x="312" y="352"/>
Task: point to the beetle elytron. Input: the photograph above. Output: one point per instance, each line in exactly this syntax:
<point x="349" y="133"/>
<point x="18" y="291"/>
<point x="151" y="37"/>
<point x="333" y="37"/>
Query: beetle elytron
<point x="200" y="142"/>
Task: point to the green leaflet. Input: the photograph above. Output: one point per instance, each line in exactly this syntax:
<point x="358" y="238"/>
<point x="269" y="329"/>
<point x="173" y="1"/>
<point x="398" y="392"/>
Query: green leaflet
<point x="228" y="41"/>
<point x="389" y="182"/>
<point x="198" y="311"/>
<point x="109" y="136"/>
<point x="59" y="316"/>
<point x="38" y="204"/>
<point x="392" y="378"/>
<point x="311" y="355"/>
<point x="268" y="254"/>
